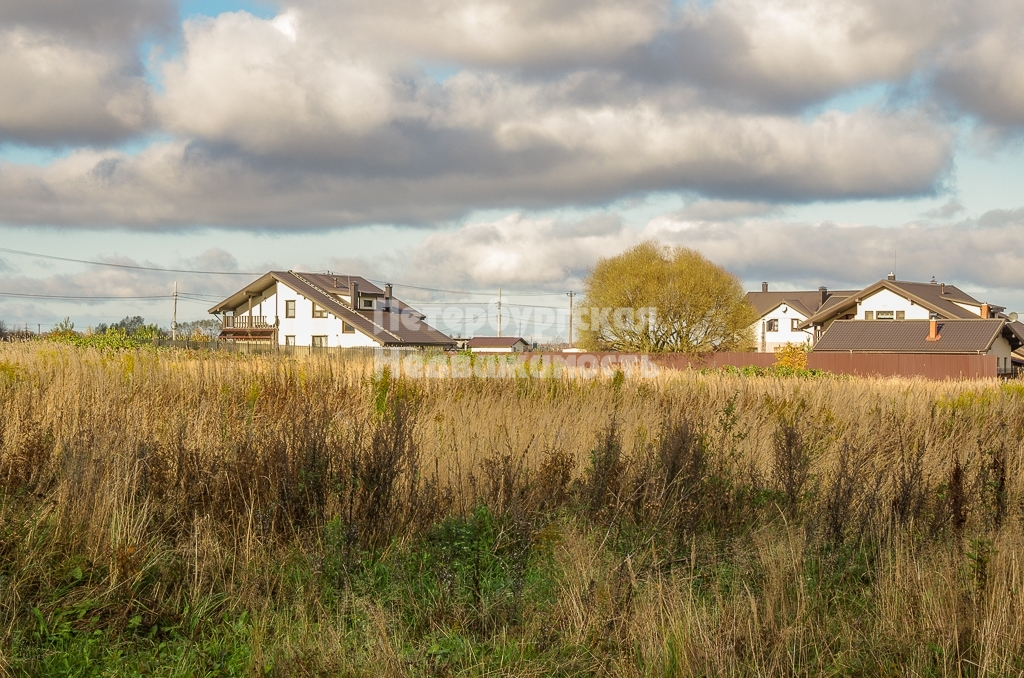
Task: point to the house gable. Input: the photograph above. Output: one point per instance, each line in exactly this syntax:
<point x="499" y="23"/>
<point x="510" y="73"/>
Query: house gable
<point x="378" y="324"/>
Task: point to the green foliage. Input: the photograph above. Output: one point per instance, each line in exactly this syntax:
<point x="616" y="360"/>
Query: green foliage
<point x="699" y="306"/>
<point x="111" y="339"/>
<point x="774" y="371"/>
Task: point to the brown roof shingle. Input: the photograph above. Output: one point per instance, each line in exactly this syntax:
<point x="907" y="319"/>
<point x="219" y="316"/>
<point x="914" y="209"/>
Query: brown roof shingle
<point x="910" y="336"/>
<point x="807" y="302"/>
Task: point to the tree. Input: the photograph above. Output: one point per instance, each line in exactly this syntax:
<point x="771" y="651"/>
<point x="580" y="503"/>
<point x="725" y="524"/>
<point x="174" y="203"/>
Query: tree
<point x="653" y="298"/>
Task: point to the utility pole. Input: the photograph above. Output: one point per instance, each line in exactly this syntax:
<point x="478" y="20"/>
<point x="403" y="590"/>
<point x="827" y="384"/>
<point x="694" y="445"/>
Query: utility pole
<point x="571" y="295"/>
<point x="174" y="314"/>
<point x="499" y="311"/>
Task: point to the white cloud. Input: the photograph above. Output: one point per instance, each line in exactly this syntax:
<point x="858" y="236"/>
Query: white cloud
<point x="983" y="70"/>
<point x="270" y="86"/>
<point x="55" y="92"/>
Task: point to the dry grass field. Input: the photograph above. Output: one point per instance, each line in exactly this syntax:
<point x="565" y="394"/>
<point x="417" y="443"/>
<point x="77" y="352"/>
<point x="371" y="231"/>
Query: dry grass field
<point x="176" y="513"/>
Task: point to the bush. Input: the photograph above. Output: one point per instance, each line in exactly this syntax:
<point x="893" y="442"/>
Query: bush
<point x="792" y="356"/>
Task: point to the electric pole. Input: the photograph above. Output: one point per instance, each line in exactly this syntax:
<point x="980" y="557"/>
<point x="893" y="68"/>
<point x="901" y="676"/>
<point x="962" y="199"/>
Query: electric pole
<point x="174" y="315"/>
<point x="571" y="295"/>
<point x="499" y="311"/>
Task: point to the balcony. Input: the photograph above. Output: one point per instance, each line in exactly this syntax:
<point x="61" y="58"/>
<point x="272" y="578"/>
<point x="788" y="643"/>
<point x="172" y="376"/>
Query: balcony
<point x="246" y="322"/>
<point x="247" y="328"/>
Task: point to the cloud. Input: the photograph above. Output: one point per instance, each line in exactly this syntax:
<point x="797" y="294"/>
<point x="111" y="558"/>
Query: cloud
<point x="515" y="251"/>
<point x="57" y="93"/>
<point x="982" y="73"/>
<point x="985" y="252"/>
<point x="93" y="21"/>
<point x="102" y="281"/>
<point x="493" y="33"/>
<point x="724" y="210"/>
<point x="950" y="209"/>
<point x="327" y="114"/>
<point x="518" y="252"/>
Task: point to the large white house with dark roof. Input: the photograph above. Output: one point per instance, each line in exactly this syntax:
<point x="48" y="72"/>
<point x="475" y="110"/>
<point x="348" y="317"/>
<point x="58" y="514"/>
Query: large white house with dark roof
<point x="781" y="315"/>
<point x="323" y="310"/>
<point x="804" y="317"/>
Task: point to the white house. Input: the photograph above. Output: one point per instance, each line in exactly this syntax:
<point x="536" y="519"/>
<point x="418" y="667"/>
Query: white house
<point x="497" y="345"/>
<point x="781" y="315"/>
<point x="892" y="299"/>
<point x="323" y="310"/>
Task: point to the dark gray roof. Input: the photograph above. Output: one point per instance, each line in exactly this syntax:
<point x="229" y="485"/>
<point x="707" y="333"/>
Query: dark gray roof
<point x="807" y="302"/>
<point x="400" y="326"/>
<point x="935" y="297"/>
<point x="494" y="342"/>
<point x="911" y="336"/>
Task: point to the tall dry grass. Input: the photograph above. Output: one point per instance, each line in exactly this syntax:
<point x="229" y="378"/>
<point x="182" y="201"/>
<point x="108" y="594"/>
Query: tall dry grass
<point x="257" y="514"/>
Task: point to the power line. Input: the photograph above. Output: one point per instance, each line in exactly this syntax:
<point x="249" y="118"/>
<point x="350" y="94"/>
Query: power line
<point x="126" y="265"/>
<point x="158" y="269"/>
<point x="74" y="297"/>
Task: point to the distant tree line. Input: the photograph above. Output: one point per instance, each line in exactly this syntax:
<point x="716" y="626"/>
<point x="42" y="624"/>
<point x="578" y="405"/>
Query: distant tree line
<point x="132" y="327"/>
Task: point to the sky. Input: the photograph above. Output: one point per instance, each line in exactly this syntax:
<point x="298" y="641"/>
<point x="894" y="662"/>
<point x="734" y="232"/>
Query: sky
<point x="459" y="147"/>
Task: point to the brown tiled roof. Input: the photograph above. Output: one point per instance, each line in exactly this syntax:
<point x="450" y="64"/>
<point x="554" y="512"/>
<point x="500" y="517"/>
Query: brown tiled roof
<point x="807" y="302"/>
<point x="401" y="326"/>
<point x="937" y="298"/>
<point x="494" y="342"/>
<point x="910" y="336"/>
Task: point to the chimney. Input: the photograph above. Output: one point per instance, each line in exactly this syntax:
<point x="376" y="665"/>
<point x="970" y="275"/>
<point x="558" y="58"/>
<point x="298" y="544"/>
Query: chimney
<point x="764" y="287"/>
<point x="933" y="330"/>
<point x="824" y="295"/>
<point x="984" y="311"/>
<point x="353" y="293"/>
<point x="942" y="288"/>
<point x="892" y="276"/>
<point x="387" y="297"/>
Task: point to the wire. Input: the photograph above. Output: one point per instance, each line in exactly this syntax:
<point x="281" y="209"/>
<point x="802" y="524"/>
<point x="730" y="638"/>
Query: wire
<point x="68" y="296"/>
<point x="131" y="266"/>
<point x="158" y="269"/>
<point x="487" y="294"/>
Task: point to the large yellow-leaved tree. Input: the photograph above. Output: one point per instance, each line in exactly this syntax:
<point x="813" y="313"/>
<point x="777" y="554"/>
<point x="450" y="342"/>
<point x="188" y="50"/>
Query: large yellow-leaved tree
<point x="653" y="298"/>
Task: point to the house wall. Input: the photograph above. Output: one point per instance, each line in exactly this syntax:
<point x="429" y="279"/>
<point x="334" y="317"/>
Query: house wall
<point x="303" y="326"/>
<point x="519" y="347"/>
<point x="785" y="335"/>
<point x="887" y="300"/>
<point x="1003" y="352"/>
<point x="976" y="310"/>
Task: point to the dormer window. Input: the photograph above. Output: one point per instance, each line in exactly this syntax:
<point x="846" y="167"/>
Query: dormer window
<point x="366" y="304"/>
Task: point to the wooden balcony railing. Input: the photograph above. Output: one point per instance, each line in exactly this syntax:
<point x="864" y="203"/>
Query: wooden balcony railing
<point x="246" y="322"/>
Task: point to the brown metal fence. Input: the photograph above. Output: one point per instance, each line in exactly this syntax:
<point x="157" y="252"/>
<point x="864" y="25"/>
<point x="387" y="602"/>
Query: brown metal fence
<point x="906" y="365"/>
<point x="926" y="365"/>
<point x="863" y="364"/>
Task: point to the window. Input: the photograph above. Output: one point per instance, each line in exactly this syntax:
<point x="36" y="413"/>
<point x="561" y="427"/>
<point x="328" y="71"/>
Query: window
<point x="794" y="324"/>
<point x="289" y="340"/>
<point x="319" y="341"/>
<point x="885" y="315"/>
<point x="901" y="315"/>
<point x="319" y="311"/>
<point x="289" y="309"/>
<point x="869" y="315"/>
<point x="346" y="328"/>
<point x="772" y="325"/>
<point x="366" y="303"/>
